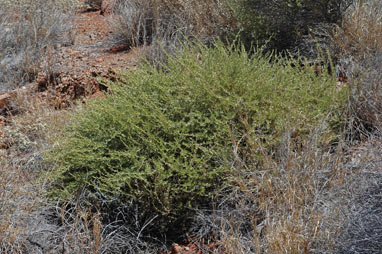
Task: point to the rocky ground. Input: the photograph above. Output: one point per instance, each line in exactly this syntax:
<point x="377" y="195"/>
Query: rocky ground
<point x="74" y="71"/>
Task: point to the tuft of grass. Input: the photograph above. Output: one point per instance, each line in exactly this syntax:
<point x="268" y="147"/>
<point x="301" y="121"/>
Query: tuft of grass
<point x="351" y="209"/>
<point x="359" y="35"/>
<point x="164" y="24"/>
<point x="357" y="50"/>
<point x="277" y="208"/>
<point x="365" y="101"/>
<point x="29" y="30"/>
<point x="22" y="191"/>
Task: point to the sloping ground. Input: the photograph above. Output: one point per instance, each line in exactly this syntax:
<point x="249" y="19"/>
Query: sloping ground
<point x="79" y="67"/>
<point x="74" y="71"/>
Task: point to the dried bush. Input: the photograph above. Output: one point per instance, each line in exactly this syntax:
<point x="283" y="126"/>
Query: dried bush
<point x="307" y="201"/>
<point x="352" y="42"/>
<point x="276" y="208"/>
<point x="365" y="100"/>
<point x="165" y="23"/>
<point x="79" y="229"/>
<point x="351" y="210"/>
<point x="361" y="233"/>
<point x="358" y="37"/>
<point x="356" y="48"/>
<point x="282" y="24"/>
<point x="21" y="193"/>
<point x="140" y="21"/>
<point x="29" y="29"/>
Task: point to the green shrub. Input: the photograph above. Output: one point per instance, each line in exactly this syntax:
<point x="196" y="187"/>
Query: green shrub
<point x="167" y="139"/>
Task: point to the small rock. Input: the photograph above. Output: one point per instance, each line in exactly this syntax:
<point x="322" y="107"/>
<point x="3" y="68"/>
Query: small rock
<point x="2" y="120"/>
<point x="340" y="85"/>
<point x="119" y="48"/>
<point x="176" y="249"/>
<point x="42" y="82"/>
<point x="72" y="52"/>
<point x="4" y="100"/>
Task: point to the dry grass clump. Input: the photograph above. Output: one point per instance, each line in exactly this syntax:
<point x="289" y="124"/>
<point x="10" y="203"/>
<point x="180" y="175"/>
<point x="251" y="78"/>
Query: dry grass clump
<point x="81" y="230"/>
<point x="307" y="201"/>
<point x="165" y="23"/>
<point x="283" y="24"/>
<point x="352" y="210"/>
<point x="277" y="208"/>
<point x="85" y="230"/>
<point x="361" y="232"/>
<point x="29" y="30"/>
<point x="357" y="48"/>
<point x="140" y="22"/>
<point x="359" y="36"/>
<point x="366" y="98"/>
<point x="21" y="194"/>
<point x="18" y="200"/>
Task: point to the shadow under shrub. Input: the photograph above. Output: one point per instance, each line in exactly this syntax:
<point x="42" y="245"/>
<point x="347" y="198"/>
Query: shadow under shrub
<point x="167" y="139"/>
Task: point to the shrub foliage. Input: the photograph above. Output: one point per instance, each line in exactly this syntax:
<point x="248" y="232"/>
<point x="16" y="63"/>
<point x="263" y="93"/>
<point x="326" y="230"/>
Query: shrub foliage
<point x="167" y="139"/>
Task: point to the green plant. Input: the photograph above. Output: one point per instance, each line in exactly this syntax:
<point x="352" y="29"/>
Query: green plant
<point x="166" y="139"/>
